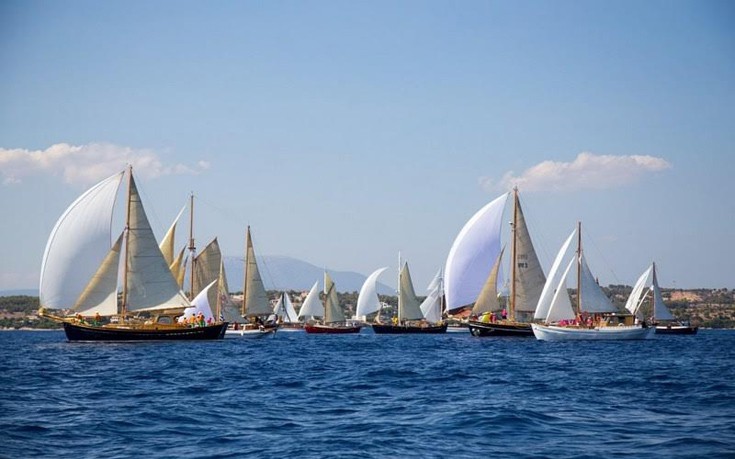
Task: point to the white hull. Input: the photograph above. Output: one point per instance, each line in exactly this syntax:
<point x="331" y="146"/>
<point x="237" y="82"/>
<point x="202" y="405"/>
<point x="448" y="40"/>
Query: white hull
<point x="556" y="333"/>
<point x="458" y="329"/>
<point x="249" y="334"/>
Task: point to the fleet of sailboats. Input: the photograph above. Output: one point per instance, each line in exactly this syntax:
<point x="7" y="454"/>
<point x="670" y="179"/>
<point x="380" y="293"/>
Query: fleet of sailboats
<point x="82" y="272"/>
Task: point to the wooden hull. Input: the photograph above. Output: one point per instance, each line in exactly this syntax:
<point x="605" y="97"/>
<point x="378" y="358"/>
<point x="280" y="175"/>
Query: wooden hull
<point x="500" y="329"/>
<point x="556" y="333"/>
<point x="388" y="329"/>
<point x="78" y="332"/>
<point x="332" y="329"/>
<point x="676" y="330"/>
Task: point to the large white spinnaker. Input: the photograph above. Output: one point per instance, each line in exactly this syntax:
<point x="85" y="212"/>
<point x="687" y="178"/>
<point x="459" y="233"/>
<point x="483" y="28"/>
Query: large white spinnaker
<point x="473" y="252"/>
<point x="78" y="244"/>
<point x="367" y="300"/>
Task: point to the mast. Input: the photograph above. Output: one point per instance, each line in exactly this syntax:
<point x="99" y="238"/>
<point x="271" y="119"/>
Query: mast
<point x="192" y="248"/>
<point x="127" y="246"/>
<point x="245" y="281"/>
<point x="400" y="303"/>
<point x="579" y="267"/>
<point x="653" y="296"/>
<point x="513" y="254"/>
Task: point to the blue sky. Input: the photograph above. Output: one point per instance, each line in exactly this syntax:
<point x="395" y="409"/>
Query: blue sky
<point x="344" y="132"/>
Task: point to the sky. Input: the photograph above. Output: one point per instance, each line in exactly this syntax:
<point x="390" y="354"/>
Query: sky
<point x="346" y="133"/>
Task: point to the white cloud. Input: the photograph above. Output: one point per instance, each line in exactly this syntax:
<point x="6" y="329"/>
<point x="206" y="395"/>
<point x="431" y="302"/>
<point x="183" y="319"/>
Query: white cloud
<point x="587" y="171"/>
<point x="86" y="164"/>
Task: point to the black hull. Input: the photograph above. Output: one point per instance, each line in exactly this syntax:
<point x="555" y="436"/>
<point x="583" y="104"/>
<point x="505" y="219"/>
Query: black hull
<point x="386" y="329"/>
<point x="676" y="330"/>
<point x="76" y="332"/>
<point x="500" y="329"/>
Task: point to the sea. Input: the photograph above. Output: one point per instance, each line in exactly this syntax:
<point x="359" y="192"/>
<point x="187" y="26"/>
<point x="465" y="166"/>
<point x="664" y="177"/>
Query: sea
<point x="368" y="396"/>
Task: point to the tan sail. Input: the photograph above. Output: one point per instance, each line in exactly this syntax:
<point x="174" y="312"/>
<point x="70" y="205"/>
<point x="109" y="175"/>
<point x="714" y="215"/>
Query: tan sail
<point x="150" y="284"/>
<point x="178" y="268"/>
<point x="487" y="300"/>
<point x="528" y="276"/>
<point x="409" y="306"/>
<point x="255" y="298"/>
<point x="207" y="269"/>
<point x="100" y="295"/>
<point x="167" y="243"/>
<point x="332" y="311"/>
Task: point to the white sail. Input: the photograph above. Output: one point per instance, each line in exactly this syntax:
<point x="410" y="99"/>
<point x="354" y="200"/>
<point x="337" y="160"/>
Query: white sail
<point x="312" y="306"/>
<point x="431" y="307"/>
<point x="636" y="295"/>
<point x="472" y="254"/>
<point x="78" y="244"/>
<point x="151" y="286"/>
<point x="552" y="282"/>
<point x="487" y="300"/>
<point x="594" y="299"/>
<point x="332" y="311"/>
<point x="529" y="278"/>
<point x="367" y="300"/>
<point x="660" y="311"/>
<point x="561" y="307"/>
<point x="201" y="302"/>
<point x="207" y="269"/>
<point x="255" y="297"/>
<point x="409" y="307"/>
<point x="284" y="309"/>
<point x="167" y="243"/>
<point x="100" y="296"/>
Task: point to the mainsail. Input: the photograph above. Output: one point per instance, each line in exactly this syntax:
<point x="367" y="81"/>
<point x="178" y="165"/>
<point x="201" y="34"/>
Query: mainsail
<point x="332" y="311"/>
<point x="594" y="299"/>
<point x="474" y="250"/>
<point x="207" y="269"/>
<point x="409" y="307"/>
<point x="284" y="309"/>
<point x="78" y="244"/>
<point x="660" y="311"/>
<point x="255" y="297"/>
<point x="312" y="306"/>
<point x="527" y="275"/>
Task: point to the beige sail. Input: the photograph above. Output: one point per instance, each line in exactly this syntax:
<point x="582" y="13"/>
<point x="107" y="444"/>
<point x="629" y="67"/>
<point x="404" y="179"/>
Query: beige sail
<point x="150" y="284"/>
<point x="100" y="295"/>
<point x="255" y="298"/>
<point x="409" y="306"/>
<point x="207" y="269"/>
<point x="487" y="300"/>
<point x="529" y="277"/>
<point x="178" y="268"/>
<point x="332" y="311"/>
<point x="167" y="243"/>
<point x="225" y="306"/>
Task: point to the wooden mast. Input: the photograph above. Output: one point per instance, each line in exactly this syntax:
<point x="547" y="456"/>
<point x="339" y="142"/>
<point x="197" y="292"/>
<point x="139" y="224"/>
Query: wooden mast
<point x="579" y="268"/>
<point x="124" y="308"/>
<point x="248" y="243"/>
<point x="192" y="248"/>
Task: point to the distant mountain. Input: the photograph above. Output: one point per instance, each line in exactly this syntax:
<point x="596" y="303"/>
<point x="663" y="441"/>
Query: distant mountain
<point x="19" y="292"/>
<point x="285" y="273"/>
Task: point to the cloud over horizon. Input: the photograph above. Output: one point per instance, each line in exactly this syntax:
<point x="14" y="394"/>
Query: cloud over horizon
<point x="86" y="164"/>
<point x="587" y="171"/>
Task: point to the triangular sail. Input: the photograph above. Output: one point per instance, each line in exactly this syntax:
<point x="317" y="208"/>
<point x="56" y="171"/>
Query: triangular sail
<point x="207" y="269"/>
<point x="167" y="243"/>
<point x="201" y="301"/>
<point x="312" y="306"/>
<point x="487" y="301"/>
<point x="409" y="307"/>
<point x="226" y="308"/>
<point x="332" y="311"/>
<point x="529" y="276"/>
<point x="255" y="297"/>
<point x="431" y="307"/>
<point x="594" y="299"/>
<point x="151" y="286"/>
<point x="636" y="295"/>
<point x="660" y="311"/>
<point x="100" y="296"/>
<point x="284" y="309"/>
<point x="552" y="282"/>
<point x="474" y="250"/>
<point x="367" y="300"/>
<point x="561" y="306"/>
<point x="78" y="244"/>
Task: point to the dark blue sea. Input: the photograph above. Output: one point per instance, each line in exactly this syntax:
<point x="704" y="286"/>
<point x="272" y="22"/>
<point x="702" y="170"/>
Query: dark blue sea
<point x="367" y="396"/>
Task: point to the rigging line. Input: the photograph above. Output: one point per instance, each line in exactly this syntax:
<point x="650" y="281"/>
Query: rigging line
<point x="599" y="253"/>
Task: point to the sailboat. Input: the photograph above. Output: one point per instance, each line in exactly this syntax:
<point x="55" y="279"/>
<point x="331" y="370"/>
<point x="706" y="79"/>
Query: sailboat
<point x="80" y="272"/>
<point x="255" y="304"/>
<point x="334" y="318"/>
<point x="286" y="314"/>
<point x="409" y="319"/>
<point x="596" y="317"/>
<point x="661" y="317"/>
<point x="474" y="266"/>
